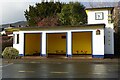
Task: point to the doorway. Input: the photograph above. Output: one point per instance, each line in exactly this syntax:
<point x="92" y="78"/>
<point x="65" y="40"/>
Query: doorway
<point x="56" y="44"/>
<point x="32" y="44"/>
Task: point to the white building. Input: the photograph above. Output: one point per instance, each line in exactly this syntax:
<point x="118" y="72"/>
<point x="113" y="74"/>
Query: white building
<point x="95" y="39"/>
<point x="103" y="15"/>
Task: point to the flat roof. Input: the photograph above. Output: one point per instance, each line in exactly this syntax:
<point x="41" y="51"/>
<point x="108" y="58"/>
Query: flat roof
<point x="111" y="8"/>
<point x="88" y="26"/>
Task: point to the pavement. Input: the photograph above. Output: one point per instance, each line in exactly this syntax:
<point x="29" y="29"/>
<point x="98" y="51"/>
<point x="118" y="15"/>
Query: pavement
<point x="39" y="59"/>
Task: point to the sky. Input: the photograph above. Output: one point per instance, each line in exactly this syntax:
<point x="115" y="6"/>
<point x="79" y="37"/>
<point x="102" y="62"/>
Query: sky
<point x="13" y="10"/>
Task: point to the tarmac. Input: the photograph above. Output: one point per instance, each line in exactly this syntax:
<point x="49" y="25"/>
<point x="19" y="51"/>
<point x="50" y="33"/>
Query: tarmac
<point x="57" y="66"/>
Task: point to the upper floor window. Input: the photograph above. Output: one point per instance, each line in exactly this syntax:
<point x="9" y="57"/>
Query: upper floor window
<point x="99" y="16"/>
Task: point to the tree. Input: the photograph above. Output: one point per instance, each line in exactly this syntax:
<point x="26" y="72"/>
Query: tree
<point x="32" y="15"/>
<point x="49" y="21"/>
<point x="72" y="14"/>
<point x="54" y="14"/>
<point x="116" y="17"/>
<point x="42" y="10"/>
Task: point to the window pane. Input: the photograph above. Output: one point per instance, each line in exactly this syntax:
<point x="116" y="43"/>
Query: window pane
<point x="17" y="38"/>
<point x="13" y="38"/>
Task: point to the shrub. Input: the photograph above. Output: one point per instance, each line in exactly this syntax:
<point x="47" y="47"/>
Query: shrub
<point x="10" y="52"/>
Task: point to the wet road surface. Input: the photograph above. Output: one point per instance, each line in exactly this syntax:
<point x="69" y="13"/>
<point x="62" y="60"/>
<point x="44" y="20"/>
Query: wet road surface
<point x="58" y="69"/>
<point x="0" y="68"/>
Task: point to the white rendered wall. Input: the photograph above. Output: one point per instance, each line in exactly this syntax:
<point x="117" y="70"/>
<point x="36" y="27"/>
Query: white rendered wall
<point x="98" y="43"/>
<point x="43" y="44"/>
<point x="109" y="39"/>
<point x="69" y="43"/>
<point x="15" y="45"/>
<point x="20" y="46"/>
<point x="91" y="17"/>
<point x="97" y="40"/>
<point x="109" y="29"/>
<point x="21" y="43"/>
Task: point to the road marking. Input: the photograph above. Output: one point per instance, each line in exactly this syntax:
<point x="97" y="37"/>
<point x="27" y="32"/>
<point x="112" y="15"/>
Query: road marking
<point x="6" y="65"/>
<point x="97" y="73"/>
<point x="33" y="62"/>
<point x="58" y="72"/>
<point x="25" y="71"/>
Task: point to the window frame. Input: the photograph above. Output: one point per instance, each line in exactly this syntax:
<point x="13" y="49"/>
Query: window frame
<point x="100" y="13"/>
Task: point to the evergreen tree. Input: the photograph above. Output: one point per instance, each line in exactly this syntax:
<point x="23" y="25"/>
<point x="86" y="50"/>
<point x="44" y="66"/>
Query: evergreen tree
<point x="50" y="14"/>
<point x="73" y="14"/>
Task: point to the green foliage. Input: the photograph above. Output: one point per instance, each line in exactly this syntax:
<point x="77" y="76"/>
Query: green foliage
<point x="41" y="11"/>
<point x="72" y="13"/>
<point x="10" y="52"/>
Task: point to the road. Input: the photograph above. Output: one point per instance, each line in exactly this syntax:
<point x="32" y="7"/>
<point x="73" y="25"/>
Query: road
<point x="62" y="69"/>
<point x="0" y="68"/>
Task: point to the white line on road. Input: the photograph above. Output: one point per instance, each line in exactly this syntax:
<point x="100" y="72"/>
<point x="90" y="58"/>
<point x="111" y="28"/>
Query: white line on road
<point x="6" y="65"/>
<point x="59" y="72"/>
<point x="25" y="71"/>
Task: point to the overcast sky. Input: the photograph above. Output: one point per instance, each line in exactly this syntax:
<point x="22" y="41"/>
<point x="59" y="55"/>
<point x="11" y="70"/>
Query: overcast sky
<point x="13" y="10"/>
